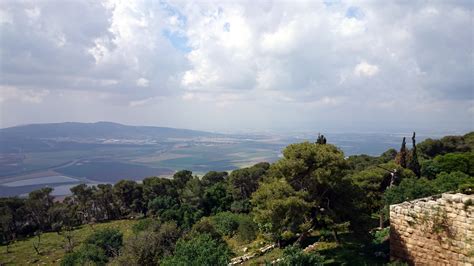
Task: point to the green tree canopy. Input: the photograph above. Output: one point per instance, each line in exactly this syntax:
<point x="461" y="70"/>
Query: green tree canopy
<point x="279" y="210"/>
<point x="199" y="250"/>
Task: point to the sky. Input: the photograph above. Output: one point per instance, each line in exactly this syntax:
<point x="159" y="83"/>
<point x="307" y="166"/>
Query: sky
<point x="364" y="66"/>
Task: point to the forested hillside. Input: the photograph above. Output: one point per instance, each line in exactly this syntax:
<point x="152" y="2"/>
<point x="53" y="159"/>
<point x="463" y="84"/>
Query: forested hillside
<point x="313" y="194"/>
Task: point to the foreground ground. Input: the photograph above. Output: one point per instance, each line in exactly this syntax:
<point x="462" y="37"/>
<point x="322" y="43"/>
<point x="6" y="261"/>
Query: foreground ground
<point x="52" y="248"/>
<point x="52" y="245"/>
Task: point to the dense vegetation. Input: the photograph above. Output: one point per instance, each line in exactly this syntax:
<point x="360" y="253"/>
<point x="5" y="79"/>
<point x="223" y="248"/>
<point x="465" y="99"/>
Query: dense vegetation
<point x="313" y="190"/>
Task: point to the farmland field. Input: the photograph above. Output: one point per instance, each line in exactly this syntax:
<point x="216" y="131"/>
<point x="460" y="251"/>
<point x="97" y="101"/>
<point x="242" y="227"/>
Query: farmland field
<point x="35" y="166"/>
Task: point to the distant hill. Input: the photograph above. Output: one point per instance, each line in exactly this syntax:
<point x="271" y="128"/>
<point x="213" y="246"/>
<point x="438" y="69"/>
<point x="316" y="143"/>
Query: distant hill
<point x="97" y="130"/>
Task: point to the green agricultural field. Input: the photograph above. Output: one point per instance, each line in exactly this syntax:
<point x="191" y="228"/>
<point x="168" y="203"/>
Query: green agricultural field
<point x="52" y="245"/>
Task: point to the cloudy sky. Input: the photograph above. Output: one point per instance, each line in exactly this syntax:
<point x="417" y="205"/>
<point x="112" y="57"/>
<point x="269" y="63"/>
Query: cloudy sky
<point x="240" y="65"/>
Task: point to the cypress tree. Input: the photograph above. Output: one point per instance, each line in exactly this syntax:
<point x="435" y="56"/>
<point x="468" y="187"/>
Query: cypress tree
<point x="402" y="155"/>
<point x="414" y="165"/>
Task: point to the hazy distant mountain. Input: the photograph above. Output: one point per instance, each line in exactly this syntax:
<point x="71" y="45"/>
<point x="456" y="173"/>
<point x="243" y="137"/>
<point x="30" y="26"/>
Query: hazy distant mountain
<point x="107" y="130"/>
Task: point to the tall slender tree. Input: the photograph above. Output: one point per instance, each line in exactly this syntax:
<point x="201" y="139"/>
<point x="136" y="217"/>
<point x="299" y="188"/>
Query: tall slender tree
<point x="414" y="165"/>
<point x="401" y="158"/>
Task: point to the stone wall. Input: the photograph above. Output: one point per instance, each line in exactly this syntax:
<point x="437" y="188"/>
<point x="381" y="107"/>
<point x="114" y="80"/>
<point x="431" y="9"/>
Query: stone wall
<point x="436" y="230"/>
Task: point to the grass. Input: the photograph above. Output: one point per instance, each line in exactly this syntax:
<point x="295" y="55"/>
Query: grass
<point x="52" y="245"/>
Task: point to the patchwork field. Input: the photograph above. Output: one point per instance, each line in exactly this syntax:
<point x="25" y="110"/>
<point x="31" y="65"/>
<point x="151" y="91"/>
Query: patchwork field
<point x="63" y="164"/>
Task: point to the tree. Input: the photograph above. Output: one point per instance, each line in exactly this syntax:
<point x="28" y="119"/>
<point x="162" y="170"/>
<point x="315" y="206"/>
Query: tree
<point x="373" y="181"/>
<point x="226" y="223"/>
<point x="213" y="177"/>
<point x="170" y="209"/>
<point x="150" y="246"/>
<point x="243" y="182"/>
<point x="129" y="197"/>
<point x="293" y="256"/>
<point x="279" y="210"/>
<point x="401" y="158"/>
<point x="38" y="204"/>
<point x="430" y="148"/>
<point x="216" y="199"/>
<point x="86" y="255"/>
<point x="82" y="201"/>
<point x="388" y="155"/>
<point x="158" y="187"/>
<point x="105" y="203"/>
<point x="192" y="193"/>
<point x="247" y="230"/>
<point x="451" y="162"/>
<point x="319" y="170"/>
<point x="311" y="167"/>
<point x="182" y="177"/>
<point x="12" y="216"/>
<point x="110" y="240"/>
<point x="321" y="139"/>
<point x="413" y="164"/>
<point x="453" y="181"/>
<point x="199" y="250"/>
<point x="409" y="189"/>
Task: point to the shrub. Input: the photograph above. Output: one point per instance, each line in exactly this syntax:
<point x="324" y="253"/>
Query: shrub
<point x="409" y="189"/>
<point x="247" y="230"/>
<point x="87" y="255"/>
<point x="145" y="224"/>
<point x="451" y="182"/>
<point x="293" y="256"/>
<point x="150" y="246"/>
<point x="110" y="240"/>
<point x="199" y="250"/>
<point x="226" y="223"/>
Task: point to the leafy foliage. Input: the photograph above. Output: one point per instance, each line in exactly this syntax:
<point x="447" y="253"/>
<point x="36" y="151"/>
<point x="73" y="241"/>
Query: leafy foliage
<point x="199" y="250"/>
<point x="293" y="256"/>
<point x="409" y="189"/>
<point x="86" y="255"/>
<point x="109" y="240"/>
<point x="150" y="246"/>
<point x="279" y="210"/>
<point x="451" y="162"/>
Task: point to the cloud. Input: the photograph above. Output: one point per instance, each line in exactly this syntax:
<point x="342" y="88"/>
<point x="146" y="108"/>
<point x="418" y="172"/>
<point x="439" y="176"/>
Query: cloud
<point x="289" y="62"/>
<point x="365" y="69"/>
<point x="142" y="82"/>
<point x="26" y="96"/>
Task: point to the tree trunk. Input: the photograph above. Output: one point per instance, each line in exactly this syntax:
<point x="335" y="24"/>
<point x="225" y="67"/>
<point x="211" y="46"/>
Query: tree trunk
<point x="381" y="220"/>
<point x="301" y="238"/>
<point x="336" y="237"/>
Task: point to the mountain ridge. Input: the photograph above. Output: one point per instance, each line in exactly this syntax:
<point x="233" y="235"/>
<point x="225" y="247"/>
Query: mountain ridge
<point x="100" y="129"/>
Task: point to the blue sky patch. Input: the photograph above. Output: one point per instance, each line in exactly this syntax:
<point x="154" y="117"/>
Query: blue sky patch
<point x="227" y="27"/>
<point x="178" y="41"/>
<point x="354" y="12"/>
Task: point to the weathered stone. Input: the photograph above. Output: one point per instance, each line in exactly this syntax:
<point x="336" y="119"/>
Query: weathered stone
<point x="433" y="230"/>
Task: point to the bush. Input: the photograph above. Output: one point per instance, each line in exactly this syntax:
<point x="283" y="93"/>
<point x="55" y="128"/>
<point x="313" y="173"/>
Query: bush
<point x="226" y="223"/>
<point x="142" y="225"/>
<point x="451" y="182"/>
<point x="409" y="189"/>
<point x="150" y="246"/>
<point x="247" y="230"/>
<point x="109" y="239"/>
<point x="451" y="162"/>
<point x="206" y="226"/>
<point x="199" y="250"/>
<point x="87" y="255"/>
<point x="293" y="256"/>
